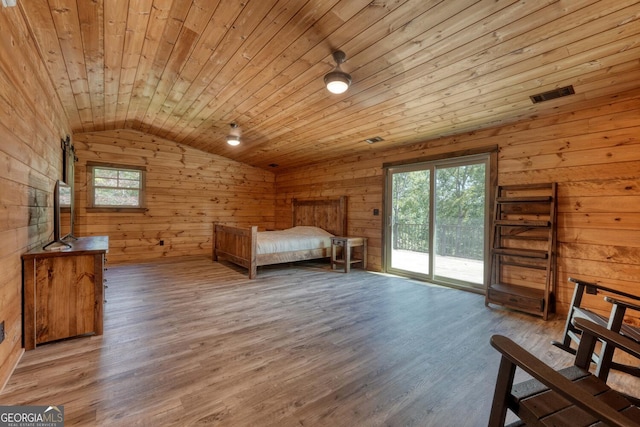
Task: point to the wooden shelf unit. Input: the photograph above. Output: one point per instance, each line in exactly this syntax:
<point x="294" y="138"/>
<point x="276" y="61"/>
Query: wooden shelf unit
<point x="523" y="251"/>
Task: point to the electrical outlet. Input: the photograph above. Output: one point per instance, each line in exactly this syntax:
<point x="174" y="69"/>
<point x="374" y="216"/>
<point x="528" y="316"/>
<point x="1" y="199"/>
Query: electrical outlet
<point x="161" y="242"/>
<point x="1" y="331"/>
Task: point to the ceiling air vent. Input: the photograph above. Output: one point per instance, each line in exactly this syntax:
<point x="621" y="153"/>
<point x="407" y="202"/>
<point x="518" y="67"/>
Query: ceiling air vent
<point x="552" y="94"/>
<point x="373" y="140"/>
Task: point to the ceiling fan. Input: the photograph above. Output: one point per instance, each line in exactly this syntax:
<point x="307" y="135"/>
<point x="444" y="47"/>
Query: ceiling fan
<point x="337" y="81"/>
<point x="234" y="135"/>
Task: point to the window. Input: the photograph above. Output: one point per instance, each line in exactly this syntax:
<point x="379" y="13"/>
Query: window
<point x="115" y="187"/>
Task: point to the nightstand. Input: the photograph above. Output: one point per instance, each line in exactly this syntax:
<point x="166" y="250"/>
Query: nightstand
<point x="347" y="243"/>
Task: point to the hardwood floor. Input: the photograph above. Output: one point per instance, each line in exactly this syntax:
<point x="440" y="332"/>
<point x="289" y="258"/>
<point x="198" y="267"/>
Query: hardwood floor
<point x="192" y="342"/>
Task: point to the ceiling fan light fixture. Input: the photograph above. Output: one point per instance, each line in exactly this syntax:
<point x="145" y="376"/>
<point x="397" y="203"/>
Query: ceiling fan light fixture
<point x="233" y="138"/>
<point x="337" y="81"/>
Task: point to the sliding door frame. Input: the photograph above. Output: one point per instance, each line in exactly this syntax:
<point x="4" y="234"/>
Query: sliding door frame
<point x="488" y="154"/>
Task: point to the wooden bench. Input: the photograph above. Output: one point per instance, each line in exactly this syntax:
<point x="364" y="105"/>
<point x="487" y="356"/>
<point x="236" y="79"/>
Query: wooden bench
<point x="571" y="396"/>
<point x="614" y="322"/>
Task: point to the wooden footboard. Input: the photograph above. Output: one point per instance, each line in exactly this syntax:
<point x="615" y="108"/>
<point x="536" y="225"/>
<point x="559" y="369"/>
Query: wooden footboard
<point x="237" y="245"/>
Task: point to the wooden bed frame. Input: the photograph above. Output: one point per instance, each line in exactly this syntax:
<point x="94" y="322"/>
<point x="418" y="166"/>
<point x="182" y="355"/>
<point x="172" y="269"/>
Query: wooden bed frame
<point x="238" y="244"/>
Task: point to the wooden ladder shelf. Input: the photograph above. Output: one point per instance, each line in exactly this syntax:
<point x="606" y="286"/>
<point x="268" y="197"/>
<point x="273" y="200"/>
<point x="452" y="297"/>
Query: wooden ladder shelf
<point x="523" y="251"/>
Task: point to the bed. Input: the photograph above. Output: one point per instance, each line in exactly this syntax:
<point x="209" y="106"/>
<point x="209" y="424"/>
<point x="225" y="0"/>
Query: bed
<point x="247" y="247"/>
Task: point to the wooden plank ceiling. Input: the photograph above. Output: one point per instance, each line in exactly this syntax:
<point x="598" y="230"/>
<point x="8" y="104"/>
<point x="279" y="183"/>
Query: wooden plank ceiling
<point x="184" y="70"/>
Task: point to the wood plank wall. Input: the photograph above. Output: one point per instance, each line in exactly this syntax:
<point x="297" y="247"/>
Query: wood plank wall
<point x="590" y="147"/>
<point x="31" y="126"/>
<point x="187" y="190"/>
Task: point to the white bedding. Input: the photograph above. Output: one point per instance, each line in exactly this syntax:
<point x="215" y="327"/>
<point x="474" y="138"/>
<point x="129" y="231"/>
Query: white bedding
<point x="293" y="239"/>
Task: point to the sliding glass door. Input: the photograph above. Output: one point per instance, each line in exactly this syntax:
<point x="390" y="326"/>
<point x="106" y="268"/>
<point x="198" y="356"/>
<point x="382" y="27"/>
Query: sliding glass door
<point x="437" y="220"/>
<point x="409" y="231"/>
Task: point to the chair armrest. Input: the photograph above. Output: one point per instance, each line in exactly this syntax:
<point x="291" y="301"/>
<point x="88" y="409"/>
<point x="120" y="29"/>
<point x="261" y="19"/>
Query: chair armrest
<point x="593" y="288"/>
<point x="556" y="382"/>
<point x="612" y="338"/>
<point x="622" y="303"/>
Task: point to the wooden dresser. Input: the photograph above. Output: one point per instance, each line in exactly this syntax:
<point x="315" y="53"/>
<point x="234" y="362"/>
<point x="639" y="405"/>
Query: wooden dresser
<point x="64" y="291"/>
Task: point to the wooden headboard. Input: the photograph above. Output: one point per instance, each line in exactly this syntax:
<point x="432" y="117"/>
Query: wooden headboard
<point x="328" y="214"/>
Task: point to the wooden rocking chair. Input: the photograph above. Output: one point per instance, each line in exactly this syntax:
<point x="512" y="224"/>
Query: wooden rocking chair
<point x="569" y="397"/>
<point x="614" y="322"/>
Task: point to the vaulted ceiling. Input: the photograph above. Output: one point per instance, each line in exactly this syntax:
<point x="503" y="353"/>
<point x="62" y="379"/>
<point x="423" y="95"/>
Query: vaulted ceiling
<point x="184" y="70"/>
